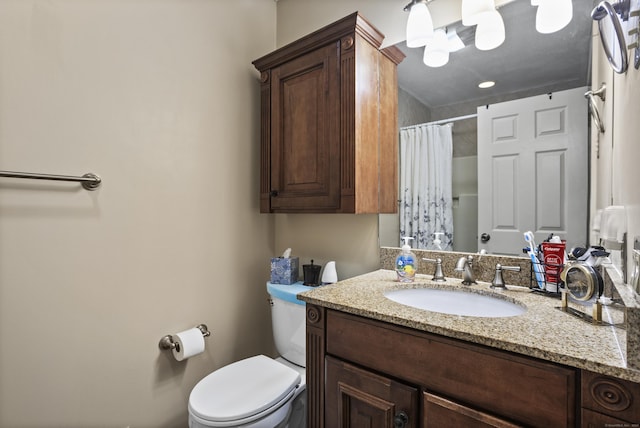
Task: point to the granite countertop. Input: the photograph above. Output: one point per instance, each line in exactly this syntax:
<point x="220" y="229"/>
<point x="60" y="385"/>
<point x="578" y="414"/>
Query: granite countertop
<point x="542" y="332"/>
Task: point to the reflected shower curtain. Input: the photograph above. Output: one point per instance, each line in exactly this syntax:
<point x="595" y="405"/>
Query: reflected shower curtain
<point x="426" y="160"/>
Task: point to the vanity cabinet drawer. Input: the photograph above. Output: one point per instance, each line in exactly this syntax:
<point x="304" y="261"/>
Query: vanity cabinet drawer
<point x="441" y="412"/>
<point x="523" y="389"/>
<point x="616" y="398"/>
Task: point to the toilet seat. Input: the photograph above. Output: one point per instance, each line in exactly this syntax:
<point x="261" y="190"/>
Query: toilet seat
<point x="244" y="391"/>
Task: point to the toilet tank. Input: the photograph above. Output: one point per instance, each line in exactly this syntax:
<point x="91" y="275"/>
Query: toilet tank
<point x="288" y="319"/>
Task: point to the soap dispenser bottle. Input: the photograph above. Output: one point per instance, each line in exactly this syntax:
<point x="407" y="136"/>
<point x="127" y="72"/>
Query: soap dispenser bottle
<point x="406" y="262"/>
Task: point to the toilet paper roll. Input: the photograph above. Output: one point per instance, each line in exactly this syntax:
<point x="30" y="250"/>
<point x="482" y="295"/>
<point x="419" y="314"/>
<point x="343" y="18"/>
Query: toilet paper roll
<point x="188" y="343"/>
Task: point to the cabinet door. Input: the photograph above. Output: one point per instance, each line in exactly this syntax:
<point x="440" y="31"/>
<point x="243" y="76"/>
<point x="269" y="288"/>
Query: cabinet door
<point x="440" y="412"/>
<point x="359" y="399"/>
<point x="305" y="133"/>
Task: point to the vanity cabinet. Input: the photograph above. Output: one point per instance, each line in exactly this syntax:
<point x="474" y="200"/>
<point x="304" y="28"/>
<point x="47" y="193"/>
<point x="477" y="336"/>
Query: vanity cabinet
<point x="457" y="383"/>
<point x="329" y="133"/>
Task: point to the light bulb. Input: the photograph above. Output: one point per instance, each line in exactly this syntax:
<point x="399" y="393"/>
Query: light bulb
<point x="472" y="9"/>
<point x="419" y="26"/>
<point x="490" y="31"/>
<point x="553" y="16"/>
<point x="436" y="53"/>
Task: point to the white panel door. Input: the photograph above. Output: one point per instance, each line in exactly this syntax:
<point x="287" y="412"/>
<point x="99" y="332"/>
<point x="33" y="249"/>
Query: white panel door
<point x="533" y="171"/>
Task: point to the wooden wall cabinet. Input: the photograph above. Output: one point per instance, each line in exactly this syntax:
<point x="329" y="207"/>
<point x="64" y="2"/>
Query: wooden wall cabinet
<point x="329" y="133"/>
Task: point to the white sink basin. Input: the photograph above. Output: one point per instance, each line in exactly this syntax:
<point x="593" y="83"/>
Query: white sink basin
<point x="456" y="302"/>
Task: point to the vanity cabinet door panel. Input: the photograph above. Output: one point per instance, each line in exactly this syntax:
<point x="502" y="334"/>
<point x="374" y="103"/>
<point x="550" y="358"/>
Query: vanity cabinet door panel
<point x="440" y="412"/>
<point x="358" y="398"/>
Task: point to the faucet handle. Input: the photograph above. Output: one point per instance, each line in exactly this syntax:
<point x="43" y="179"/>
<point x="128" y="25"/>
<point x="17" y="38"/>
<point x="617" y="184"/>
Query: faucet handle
<point x="463" y="262"/>
<point x="498" y="282"/>
<point x="438" y="275"/>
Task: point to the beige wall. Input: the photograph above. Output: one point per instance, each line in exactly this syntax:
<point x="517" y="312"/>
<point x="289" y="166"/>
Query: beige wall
<point x="160" y="99"/>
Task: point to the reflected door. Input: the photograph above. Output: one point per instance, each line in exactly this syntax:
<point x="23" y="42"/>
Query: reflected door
<point x="533" y="171"/>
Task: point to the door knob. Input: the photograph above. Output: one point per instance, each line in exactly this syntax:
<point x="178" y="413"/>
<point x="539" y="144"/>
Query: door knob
<point x="485" y="237"/>
<point x="401" y="420"/>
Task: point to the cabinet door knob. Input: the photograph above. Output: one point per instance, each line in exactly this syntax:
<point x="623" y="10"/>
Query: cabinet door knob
<point x="273" y="193"/>
<point x="401" y="420"/>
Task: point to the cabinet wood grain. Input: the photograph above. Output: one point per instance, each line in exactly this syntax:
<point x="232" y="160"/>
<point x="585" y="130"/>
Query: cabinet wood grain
<point x="329" y="133"/>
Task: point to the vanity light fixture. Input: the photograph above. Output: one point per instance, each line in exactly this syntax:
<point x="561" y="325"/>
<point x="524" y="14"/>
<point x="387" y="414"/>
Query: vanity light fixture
<point x="419" y="23"/>
<point x="552" y="15"/>
<point x="486" y="84"/>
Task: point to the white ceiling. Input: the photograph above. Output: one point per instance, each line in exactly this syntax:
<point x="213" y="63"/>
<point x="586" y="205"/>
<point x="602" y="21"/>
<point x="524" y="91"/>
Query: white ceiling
<point x="525" y="61"/>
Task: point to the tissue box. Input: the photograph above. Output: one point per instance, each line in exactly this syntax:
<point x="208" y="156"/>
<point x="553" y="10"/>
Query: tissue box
<point x="284" y="271"/>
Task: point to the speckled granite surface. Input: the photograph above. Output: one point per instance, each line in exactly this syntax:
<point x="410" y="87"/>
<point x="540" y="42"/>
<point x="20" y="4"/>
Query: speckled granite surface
<point x="542" y="331"/>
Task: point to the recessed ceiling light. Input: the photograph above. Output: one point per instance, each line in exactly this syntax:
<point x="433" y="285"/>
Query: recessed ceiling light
<point x="487" y="84"/>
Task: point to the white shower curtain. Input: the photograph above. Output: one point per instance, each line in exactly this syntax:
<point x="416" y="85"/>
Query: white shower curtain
<point x="426" y="157"/>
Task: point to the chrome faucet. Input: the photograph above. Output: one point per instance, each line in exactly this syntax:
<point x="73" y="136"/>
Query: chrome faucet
<point x="465" y="264"/>
<point x="498" y="282"/>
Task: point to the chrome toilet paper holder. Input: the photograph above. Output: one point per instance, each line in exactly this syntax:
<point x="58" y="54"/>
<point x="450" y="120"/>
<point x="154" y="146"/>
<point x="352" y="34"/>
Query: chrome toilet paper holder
<point x="167" y="342"/>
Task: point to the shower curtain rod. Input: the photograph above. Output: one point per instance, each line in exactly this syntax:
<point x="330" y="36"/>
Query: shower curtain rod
<point x="89" y="181"/>
<point x="440" y="122"/>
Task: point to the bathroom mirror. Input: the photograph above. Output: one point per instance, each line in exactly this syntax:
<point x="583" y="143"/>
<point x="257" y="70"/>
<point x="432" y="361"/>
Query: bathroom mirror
<point x="611" y="33"/>
<point x="526" y="64"/>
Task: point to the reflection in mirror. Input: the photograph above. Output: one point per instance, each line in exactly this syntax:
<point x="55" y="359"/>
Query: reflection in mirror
<point x="593" y="106"/>
<point x="611" y="34"/>
<point x="526" y="64"/>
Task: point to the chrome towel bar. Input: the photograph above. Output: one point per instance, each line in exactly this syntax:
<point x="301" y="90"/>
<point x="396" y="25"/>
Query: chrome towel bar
<point x="89" y="181"/>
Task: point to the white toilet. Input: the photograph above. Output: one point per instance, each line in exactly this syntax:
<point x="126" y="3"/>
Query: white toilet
<point x="260" y="392"/>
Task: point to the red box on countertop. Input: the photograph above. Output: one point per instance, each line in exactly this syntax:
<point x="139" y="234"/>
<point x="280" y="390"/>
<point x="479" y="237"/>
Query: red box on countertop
<point x="553" y="254"/>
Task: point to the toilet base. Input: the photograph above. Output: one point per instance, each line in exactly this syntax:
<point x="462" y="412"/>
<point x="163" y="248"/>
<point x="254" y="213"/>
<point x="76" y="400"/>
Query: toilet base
<point x="298" y="417"/>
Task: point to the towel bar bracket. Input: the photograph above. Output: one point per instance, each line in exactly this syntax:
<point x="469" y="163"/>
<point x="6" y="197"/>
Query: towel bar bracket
<point x="92" y="184"/>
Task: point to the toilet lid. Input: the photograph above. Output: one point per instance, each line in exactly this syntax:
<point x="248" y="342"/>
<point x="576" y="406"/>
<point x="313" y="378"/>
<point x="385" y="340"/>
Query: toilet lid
<point x="242" y="389"/>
